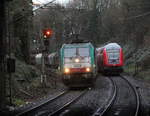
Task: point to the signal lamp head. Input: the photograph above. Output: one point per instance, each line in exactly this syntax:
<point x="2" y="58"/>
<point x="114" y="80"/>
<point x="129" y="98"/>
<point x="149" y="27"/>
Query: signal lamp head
<point x="47" y="33"/>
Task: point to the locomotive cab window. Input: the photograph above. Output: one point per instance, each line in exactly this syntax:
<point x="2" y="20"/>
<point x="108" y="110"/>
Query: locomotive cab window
<point x="83" y="52"/>
<point x="70" y="52"/>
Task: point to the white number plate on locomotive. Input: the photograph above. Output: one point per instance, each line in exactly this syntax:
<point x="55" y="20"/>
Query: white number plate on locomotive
<point x="77" y="65"/>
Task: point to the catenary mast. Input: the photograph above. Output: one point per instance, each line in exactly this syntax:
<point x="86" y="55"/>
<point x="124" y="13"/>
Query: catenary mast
<point x="2" y="54"/>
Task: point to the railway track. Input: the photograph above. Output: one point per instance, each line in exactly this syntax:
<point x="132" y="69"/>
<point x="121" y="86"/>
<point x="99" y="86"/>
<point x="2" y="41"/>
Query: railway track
<point x="41" y="104"/>
<point x="103" y="109"/>
<point x="66" y="105"/>
<point x="54" y="106"/>
<point x="137" y="97"/>
<point x="122" y="103"/>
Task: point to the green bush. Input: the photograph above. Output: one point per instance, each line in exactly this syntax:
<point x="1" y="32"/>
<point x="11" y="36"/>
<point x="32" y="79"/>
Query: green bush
<point x="18" y="102"/>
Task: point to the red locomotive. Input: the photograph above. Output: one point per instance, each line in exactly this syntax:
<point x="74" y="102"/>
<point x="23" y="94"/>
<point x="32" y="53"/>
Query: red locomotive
<point x="110" y="59"/>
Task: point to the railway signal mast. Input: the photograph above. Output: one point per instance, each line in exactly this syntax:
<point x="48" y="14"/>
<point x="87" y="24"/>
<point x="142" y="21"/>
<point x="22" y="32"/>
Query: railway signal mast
<point x="3" y="47"/>
<point x="47" y="34"/>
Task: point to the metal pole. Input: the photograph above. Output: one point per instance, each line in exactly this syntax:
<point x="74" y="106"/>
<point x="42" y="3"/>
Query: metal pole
<point x="10" y="88"/>
<point x="9" y="52"/>
<point x="43" y="66"/>
<point x="2" y="54"/>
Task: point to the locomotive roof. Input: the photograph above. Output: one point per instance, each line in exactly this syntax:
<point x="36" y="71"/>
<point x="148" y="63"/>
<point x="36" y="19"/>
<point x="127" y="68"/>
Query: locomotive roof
<point x="77" y="45"/>
<point x="112" y="45"/>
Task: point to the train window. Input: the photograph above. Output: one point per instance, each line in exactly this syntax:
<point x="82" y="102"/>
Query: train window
<point x="113" y="55"/>
<point x="112" y="50"/>
<point x="70" y="52"/>
<point x="84" y="52"/>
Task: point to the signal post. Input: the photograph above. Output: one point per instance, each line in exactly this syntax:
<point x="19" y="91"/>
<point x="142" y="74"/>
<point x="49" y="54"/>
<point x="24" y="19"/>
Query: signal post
<point x="47" y="33"/>
<point x="2" y="55"/>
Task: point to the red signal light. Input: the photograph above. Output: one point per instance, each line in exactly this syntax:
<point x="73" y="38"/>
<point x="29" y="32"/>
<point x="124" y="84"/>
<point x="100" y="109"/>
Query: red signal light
<point x="47" y="33"/>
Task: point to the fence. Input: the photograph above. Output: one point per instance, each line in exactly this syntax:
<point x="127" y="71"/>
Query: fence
<point x="136" y="69"/>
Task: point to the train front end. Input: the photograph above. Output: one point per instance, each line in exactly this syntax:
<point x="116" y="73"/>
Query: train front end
<point x="113" y="58"/>
<point x="77" y="65"/>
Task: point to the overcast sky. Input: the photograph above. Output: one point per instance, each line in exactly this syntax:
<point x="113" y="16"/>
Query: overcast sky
<point x="45" y="1"/>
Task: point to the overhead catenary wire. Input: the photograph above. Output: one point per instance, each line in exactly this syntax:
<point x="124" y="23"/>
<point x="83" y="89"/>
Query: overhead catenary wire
<point x="44" y="5"/>
<point x="39" y="1"/>
<point x="138" y="16"/>
<point x="23" y="16"/>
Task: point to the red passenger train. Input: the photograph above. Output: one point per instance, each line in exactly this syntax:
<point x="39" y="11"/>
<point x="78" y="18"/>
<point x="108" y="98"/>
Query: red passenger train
<point x="110" y="59"/>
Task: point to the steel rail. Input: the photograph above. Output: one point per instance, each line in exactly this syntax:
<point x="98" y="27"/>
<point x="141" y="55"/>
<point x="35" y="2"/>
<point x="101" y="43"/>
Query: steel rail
<point x="42" y="104"/>
<point x="136" y="95"/>
<point x="102" y="110"/>
<point x="60" y="110"/>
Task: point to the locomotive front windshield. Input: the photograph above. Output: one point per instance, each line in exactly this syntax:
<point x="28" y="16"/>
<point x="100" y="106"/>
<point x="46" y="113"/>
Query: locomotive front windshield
<point x="70" y="52"/>
<point x="74" y="52"/>
<point x="83" y="52"/>
<point x="113" y="53"/>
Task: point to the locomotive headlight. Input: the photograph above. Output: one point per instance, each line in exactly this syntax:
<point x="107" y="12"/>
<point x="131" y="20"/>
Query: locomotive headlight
<point x="88" y="69"/>
<point x="67" y="70"/>
<point x="77" y="60"/>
